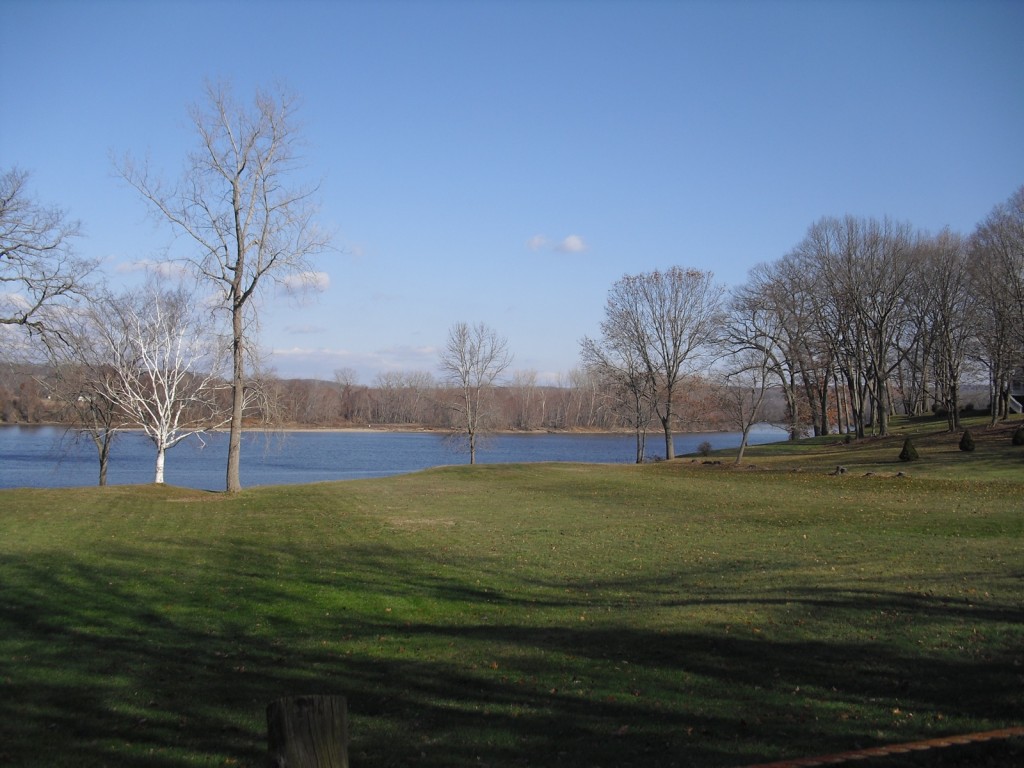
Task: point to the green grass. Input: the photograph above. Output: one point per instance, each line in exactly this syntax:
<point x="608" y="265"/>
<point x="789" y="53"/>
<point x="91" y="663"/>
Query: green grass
<point x="562" y="615"/>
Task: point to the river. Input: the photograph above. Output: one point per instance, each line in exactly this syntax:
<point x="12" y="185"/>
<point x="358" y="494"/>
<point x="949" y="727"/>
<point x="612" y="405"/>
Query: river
<point x="50" y="457"/>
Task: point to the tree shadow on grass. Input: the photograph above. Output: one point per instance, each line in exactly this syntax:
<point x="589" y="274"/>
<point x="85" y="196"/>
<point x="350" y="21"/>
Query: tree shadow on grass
<point x="170" y="660"/>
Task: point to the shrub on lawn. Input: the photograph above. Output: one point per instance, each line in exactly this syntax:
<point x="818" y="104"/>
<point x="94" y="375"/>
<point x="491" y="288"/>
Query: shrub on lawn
<point x="1018" y="436"/>
<point x="704" y="449"/>
<point x="909" y="452"/>
<point x="967" y="441"/>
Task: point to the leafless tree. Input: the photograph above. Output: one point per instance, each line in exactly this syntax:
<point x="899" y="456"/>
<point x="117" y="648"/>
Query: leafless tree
<point x="472" y="360"/>
<point x="753" y="358"/>
<point x="951" y="315"/>
<point x="164" y="365"/>
<point x="997" y="278"/>
<point x="525" y="400"/>
<point x="236" y="205"/>
<point x="863" y="268"/>
<point x="354" y="399"/>
<point x="401" y="397"/>
<point x="916" y="378"/>
<point x="38" y="268"/>
<point x="626" y="383"/>
<point x="84" y="377"/>
<point x="668" y="319"/>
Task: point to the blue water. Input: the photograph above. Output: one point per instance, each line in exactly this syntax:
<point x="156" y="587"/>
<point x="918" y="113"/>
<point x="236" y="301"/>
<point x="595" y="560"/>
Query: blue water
<point x="49" y="457"/>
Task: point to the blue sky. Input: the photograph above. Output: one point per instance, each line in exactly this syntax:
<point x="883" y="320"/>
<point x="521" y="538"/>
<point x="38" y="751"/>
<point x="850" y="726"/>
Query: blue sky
<point x="506" y="162"/>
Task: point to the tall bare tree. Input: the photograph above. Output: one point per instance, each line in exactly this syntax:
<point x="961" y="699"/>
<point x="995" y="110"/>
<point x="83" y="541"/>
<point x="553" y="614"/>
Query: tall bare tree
<point x="38" y="268"/>
<point x="951" y="313"/>
<point x="996" y="252"/>
<point x="236" y="203"/>
<point x="864" y="269"/>
<point x="668" y="319"/>
<point x="472" y="360"/>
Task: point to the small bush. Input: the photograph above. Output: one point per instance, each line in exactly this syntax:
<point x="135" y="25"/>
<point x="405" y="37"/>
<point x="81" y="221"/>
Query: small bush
<point x="909" y="452"/>
<point x="1018" y="436"/>
<point x="967" y="441"/>
<point x="705" y="448"/>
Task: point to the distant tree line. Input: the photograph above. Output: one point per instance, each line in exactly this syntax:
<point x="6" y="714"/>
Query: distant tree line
<point x="415" y="399"/>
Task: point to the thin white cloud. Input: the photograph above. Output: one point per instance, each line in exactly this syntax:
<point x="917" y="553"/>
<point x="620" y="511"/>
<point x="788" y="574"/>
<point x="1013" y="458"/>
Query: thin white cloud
<point x="536" y="242"/>
<point x="15" y="300"/>
<point x="317" y="282"/>
<point x="166" y="269"/>
<point x="570" y="244"/>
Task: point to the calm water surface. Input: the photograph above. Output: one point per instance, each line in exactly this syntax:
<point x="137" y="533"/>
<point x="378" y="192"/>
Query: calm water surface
<point x="48" y="457"/>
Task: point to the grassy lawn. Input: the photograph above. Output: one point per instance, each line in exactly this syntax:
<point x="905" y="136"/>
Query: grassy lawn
<point x="513" y="615"/>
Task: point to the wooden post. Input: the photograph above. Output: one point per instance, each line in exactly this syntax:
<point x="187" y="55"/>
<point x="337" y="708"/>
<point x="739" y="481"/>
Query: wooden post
<point x="308" y="732"/>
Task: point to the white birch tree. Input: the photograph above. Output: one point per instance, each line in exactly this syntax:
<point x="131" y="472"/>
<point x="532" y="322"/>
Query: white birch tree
<point x="165" y="366"/>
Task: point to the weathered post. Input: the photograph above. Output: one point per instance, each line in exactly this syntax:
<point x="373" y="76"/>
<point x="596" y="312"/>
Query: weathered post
<point x="308" y="732"/>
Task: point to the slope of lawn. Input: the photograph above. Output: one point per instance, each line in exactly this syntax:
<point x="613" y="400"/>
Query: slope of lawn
<point x="514" y="615"/>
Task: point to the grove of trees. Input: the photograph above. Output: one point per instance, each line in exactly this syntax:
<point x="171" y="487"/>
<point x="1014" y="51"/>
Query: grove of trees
<point x="862" y="319"/>
<point x="865" y="318"/>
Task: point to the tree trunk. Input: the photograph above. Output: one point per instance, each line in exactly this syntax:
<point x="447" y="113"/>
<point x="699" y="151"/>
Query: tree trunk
<point x="308" y="732"/>
<point x="161" y="452"/>
<point x="102" y="442"/>
<point x="641" y="439"/>
<point x="743" y="444"/>
<point x="882" y="403"/>
<point x="234" y="482"/>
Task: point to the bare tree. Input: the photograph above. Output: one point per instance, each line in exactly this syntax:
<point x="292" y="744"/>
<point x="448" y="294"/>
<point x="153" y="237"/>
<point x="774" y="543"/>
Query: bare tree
<point x="401" y="397"/>
<point x="996" y="252"/>
<point x="864" y="269"/>
<point x="742" y="389"/>
<point x="235" y="204"/>
<point x="626" y="382"/>
<point x="353" y="397"/>
<point x="752" y="360"/>
<point x="165" y="366"/>
<point x="668" y="319"/>
<point x="472" y="359"/>
<point x="951" y="314"/>
<point x="778" y="306"/>
<point x="524" y="400"/>
<point x="84" y="378"/>
<point x="38" y="268"/>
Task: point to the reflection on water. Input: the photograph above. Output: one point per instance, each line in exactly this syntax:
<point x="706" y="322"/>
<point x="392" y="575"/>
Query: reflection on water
<point x="50" y="457"/>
